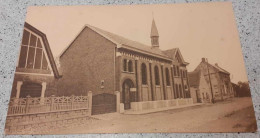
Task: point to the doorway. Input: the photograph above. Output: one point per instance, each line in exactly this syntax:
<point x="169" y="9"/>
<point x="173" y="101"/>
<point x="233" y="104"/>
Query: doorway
<point x="128" y="96"/>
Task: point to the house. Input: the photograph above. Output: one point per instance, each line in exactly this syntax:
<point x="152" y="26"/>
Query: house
<point x="218" y="80"/>
<point x="103" y="62"/>
<point x="199" y="88"/>
<point x="36" y="72"/>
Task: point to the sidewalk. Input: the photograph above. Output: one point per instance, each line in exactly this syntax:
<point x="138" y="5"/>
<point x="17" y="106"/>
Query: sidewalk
<point x="131" y="112"/>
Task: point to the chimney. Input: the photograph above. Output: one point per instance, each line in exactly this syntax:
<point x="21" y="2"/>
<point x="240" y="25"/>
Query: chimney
<point x="203" y="59"/>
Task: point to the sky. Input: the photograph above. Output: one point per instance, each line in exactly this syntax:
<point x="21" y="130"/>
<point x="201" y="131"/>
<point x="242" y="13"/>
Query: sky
<point x="199" y="29"/>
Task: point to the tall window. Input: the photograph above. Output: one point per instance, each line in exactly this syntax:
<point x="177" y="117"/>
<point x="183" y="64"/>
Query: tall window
<point x="31" y="54"/>
<point x="174" y="70"/>
<point x="180" y="89"/>
<point x="177" y="90"/>
<point x="130" y="66"/>
<point x="167" y="76"/>
<point x="144" y="73"/>
<point x="178" y="70"/>
<point x="156" y="74"/>
<point x="124" y="65"/>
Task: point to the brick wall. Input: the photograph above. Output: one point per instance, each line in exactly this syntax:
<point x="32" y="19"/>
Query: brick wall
<point x="88" y="60"/>
<point x="44" y="122"/>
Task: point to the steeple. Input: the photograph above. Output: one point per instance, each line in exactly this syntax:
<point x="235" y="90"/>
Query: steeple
<point x="154" y="35"/>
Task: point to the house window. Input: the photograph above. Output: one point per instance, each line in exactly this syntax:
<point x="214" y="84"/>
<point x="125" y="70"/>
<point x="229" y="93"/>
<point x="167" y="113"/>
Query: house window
<point x="31" y="54"/>
<point x="167" y="76"/>
<point x="184" y="74"/>
<point x="178" y="70"/>
<point x="174" y="70"/>
<point x="144" y="73"/>
<point x="180" y="89"/>
<point x="156" y="74"/>
<point x="177" y="90"/>
<point x="130" y="66"/>
<point x="124" y="65"/>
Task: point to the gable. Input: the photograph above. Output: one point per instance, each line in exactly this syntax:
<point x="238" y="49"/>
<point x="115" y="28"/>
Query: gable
<point x="35" y="55"/>
<point x="176" y="55"/>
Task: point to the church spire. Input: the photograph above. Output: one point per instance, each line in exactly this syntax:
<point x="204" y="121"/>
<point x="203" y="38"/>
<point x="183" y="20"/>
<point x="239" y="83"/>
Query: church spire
<point x="154" y="35"/>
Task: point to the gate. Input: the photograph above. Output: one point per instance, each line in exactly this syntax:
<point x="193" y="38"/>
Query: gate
<point x="103" y="103"/>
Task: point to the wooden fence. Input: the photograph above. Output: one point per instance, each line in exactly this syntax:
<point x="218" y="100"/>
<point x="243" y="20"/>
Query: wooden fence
<point x="31" y="105"/>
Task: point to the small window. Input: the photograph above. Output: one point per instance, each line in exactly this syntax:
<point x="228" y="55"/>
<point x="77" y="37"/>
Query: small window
<point x="144" y="74"/>
<point x="156" y="74"/>
<point x="26" y="36"/>
<point x="22" y="58"/>
<point x="130" y="66"/>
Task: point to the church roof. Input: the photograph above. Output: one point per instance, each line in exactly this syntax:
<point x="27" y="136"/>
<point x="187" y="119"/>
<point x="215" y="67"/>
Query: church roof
<point x="127" y="42"/>
<point x="154" y="31"/>
<point x="47" y="48"/>
<point x="194" y="78"/>
<point x="123" y="42"/>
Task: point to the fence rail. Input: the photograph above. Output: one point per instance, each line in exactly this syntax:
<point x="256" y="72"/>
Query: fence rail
<point x="46" y="104"/>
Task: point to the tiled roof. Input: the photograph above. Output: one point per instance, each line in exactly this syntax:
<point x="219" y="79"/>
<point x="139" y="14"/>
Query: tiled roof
<point x="170" y="52"/>
<point x="194" y="78"/>
<point x="221" y="70"/>
<point x="128" y="43"/>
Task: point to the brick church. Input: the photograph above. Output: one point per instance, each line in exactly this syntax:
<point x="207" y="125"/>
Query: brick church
<point x="103" y="62"/>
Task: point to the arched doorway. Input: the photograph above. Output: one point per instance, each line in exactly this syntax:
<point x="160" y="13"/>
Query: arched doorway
<point x="32" y="89"/>
<point x="128" y="96"/>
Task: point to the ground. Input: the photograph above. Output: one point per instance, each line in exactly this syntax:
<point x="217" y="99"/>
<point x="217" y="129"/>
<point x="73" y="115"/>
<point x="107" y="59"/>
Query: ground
<point x="234" y="115"/>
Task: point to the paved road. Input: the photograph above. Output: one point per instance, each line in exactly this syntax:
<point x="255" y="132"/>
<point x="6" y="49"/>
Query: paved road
<point x="234" y="115"/>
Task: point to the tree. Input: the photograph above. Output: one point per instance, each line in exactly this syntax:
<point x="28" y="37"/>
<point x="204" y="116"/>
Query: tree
<point x="242" y="89"/>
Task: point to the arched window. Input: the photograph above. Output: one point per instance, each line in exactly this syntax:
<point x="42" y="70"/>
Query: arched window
<point x="156" y="75"/>
<point x="177" y="90"/>
<point x="144" y="74"/>
<point x="167" y="76"/>
<point x="180" y="89"/>
<point x="124" y="65"/>
<point x="130" y="66"/>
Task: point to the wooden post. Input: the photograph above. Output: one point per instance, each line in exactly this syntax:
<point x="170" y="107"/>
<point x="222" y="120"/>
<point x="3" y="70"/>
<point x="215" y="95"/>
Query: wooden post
<point x="72" y="101"/>
<point x="27" y="104"/>
<point x="90" y="102"/>
<point x="52" y="103"/>
<point x="117" y="101"/>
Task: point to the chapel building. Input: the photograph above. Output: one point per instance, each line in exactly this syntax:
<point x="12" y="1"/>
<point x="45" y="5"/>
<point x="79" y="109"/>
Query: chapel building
<point x="103" y="62"/>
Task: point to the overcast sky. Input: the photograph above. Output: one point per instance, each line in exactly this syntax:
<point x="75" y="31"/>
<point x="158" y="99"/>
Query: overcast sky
<point x="199" y="30"/>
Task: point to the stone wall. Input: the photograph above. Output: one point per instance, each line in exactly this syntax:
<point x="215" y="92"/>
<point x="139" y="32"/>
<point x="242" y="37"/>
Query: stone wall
<point x="148" y="105"/>
<point x="43" y="122"/>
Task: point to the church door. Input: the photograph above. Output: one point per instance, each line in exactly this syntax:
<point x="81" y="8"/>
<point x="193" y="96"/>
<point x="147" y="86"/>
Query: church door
<point x="127" y="96"/>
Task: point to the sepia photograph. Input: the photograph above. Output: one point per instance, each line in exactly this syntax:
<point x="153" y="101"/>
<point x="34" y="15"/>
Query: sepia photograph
<point x="159" y="68"/>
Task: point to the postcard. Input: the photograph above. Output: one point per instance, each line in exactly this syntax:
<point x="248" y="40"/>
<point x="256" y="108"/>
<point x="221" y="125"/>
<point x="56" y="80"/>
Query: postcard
<point x="169" y="68"/>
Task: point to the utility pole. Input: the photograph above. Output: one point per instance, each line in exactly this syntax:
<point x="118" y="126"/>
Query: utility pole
<point x="212" y="98"/>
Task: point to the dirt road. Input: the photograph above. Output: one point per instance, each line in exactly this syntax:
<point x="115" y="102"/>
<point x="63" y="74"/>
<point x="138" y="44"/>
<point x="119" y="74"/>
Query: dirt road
<point x="236" y="115"/>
